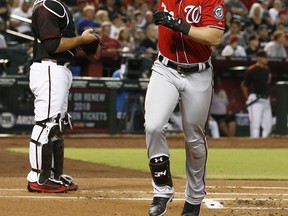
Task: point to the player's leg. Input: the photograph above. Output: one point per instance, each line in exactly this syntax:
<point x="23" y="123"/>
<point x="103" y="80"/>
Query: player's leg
<point x="232" y="125"/>
<point x="161" y="99"/>
<point x="162" y="184"/>
<point x="255" y="115"/>
<point x="40" y="152"/>
<point x="58" y="148"/>
<point x="65" y="122"/>
<point x="267" y="118"/>
<point x="49" y="89"/>
<point x="224" y="128"/>
<point x="58" y="141"/>
<point x="176" y="119"/>
<point x="58" y="157"/>
<point x="41" y="148"/>
<point x="213" y="127"/>
<point x="194" y="105"/>
<point x="58" y="164"/>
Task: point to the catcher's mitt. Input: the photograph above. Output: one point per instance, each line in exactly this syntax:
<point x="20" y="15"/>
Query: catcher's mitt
<point x="92" y="48"/>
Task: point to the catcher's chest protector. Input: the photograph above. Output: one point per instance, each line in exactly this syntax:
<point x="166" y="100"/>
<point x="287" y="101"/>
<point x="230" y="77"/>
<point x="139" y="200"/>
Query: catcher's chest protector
<point x="59" y="9"/>
<point x="64" y="24"/>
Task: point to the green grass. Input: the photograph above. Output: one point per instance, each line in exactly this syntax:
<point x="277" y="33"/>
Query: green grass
<point x="222" y="163"/>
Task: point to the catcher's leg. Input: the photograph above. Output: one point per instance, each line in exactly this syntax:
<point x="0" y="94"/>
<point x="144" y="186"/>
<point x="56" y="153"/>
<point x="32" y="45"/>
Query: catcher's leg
<point x="58" y="155"/>
<point x="58" y="162"/>
<point x="41" y="151"/>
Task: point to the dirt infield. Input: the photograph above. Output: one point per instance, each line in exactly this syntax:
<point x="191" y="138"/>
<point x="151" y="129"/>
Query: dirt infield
<point x="105" y="190"/>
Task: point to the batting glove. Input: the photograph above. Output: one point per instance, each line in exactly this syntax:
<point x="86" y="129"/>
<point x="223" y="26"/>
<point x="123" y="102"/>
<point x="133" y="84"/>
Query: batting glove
<point x="167" y="20"/>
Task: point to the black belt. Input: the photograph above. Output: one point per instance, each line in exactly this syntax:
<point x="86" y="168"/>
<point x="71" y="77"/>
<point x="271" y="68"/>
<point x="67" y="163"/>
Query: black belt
<point x="62" y="63"/>
<point x="183" y="68"/>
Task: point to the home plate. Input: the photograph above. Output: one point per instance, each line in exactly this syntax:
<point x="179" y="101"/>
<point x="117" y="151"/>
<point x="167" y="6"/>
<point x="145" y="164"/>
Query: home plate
<point x="212" y="204"/>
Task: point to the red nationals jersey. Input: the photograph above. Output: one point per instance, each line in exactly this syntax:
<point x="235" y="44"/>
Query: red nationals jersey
<point x="199" y="13"/>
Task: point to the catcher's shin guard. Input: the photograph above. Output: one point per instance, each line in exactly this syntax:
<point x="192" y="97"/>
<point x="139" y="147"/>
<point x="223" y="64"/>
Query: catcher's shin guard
<point x="58" y="145"/>
<point x="58" y="157"/>
<point x="160" y="171"/>
<point x="46" y="166"/>
<point x="41" y="148"/>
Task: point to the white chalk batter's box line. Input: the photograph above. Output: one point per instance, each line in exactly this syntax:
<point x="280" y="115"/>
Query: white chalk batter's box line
<point x="209" y="203"/>
<point x="212" y="187"/>
<point x="83" y="191"/>
<point x="247" y="187"/>
<point x="131" y="199"/>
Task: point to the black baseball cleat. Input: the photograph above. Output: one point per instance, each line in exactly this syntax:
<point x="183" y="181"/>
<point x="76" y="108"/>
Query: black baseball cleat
<point x="158" y="206"/>
<point x="69" y="182"/>
<point x="72" y="187"/>
<point x="191" y="210"/>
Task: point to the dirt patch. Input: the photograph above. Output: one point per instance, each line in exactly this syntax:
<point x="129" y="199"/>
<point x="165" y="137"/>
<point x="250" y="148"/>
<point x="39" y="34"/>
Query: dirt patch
<point x="105" y="190"/>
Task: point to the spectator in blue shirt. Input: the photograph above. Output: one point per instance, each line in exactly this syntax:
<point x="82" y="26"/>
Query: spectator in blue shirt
<point x="88" y="20"/>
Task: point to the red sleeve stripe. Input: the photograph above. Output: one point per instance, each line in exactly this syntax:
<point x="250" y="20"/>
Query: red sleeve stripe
<point x="51" y="37"/>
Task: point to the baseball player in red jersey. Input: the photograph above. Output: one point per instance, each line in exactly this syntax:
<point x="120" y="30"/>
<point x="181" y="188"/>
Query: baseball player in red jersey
<point x="182" y="73"/>
<point x="50" y="80"/>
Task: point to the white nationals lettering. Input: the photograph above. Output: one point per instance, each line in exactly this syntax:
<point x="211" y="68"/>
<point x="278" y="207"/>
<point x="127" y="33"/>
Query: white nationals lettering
<point x="193" y="13"/>
<point x="165" y="9"/>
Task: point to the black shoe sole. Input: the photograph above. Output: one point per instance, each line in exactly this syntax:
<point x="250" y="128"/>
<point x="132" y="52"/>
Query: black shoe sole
<point x="170" y="200"/>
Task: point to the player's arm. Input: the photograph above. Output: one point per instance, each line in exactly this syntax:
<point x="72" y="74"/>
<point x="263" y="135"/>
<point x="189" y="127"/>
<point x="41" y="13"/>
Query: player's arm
<point x="206" y="35"/>
<point x="49" y="31"/>
<point x="58" y="44"/>
<point x="70" y="43"/>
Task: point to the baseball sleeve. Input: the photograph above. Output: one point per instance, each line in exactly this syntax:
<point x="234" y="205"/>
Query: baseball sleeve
<point x="214" y="14"/>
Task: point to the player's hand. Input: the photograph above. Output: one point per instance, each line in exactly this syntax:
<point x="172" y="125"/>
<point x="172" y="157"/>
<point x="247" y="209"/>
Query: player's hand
<point x="92" y="43"/>
<point x="89" y="36"/>
<point x="167" y="20"/>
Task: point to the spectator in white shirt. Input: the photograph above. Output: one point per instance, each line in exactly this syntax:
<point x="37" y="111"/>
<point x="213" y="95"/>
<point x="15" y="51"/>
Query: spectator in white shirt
<point x="117" y="24"/>
<point x="233" y="48"/>
<point x="220" y="112"/>
<point x="276" y="48"/>
<point x="274" y="11"/>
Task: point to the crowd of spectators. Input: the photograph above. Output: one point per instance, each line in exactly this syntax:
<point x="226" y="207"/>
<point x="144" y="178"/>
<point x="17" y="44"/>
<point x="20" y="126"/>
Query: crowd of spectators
<point x="262" y="26"/>
<point x="127" y="26"/>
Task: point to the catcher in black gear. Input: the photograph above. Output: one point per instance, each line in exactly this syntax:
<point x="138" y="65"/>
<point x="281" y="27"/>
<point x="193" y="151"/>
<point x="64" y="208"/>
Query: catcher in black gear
<point x="54" y="48"/>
